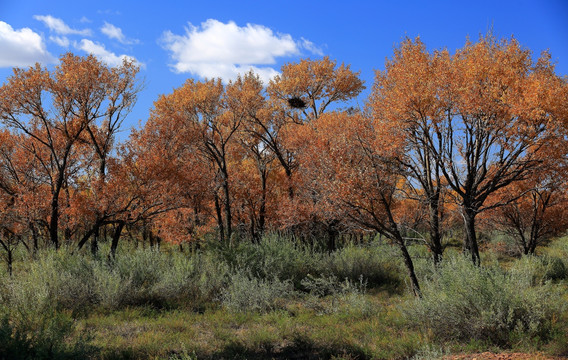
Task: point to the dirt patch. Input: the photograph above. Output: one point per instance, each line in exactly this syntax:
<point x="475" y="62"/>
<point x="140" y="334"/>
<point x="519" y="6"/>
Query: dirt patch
<point x="503" y="356"/>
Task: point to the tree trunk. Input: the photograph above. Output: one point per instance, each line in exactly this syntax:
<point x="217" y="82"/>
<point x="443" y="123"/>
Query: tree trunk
<point x="470" y="243"/>
<point x="262" y="210"/>
<point x="115" y="238"/>
<point x="219" y="219"/>
<point x="88" y="234"/>
<point x="54" y="222"/>
<point x="332" y="235"/>
<point x="409" y="267"/>
<point x="94" y="242"/>
<point x="228" y="219"/>
<point x="290" y="186"/>
<point x="435" y="235"/>
<point x="34" y="238"/>
<point x="10" y="261"/>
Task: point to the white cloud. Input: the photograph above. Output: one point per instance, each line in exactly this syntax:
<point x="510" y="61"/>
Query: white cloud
<point x="21" y="47"/>
<point x="59" y="27"/>
<point x="216" y="49"/>
<point x="85" y="19"/>
<point x="311" y="47"/>
<point x="103" y="54"/>
<point x="114" y="32"/>
<point x="62" y="41"/>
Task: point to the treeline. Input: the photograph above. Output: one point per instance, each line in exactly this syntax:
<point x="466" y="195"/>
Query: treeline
<point x="443" y="141"/>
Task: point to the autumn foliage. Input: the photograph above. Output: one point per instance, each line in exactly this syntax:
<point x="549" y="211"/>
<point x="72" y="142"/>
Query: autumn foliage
<point x="443" y="138"/>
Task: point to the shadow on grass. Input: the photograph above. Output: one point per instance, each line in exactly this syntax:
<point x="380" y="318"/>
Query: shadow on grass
<point x="299" y="348"/>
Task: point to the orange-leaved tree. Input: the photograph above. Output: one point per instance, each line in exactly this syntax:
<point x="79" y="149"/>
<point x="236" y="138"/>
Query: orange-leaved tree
<point x="491" y="114"/>
<point x="353" y="171"/>
<point x="405" y="102"/>
<point x="302" y="93"/>
<point x="52" y="112"/>
<point x="535" y="208"/>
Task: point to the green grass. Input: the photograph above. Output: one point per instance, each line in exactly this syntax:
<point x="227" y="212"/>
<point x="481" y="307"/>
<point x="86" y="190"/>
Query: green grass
<point x="280" y="299"/>
<point x="296" y="331"/>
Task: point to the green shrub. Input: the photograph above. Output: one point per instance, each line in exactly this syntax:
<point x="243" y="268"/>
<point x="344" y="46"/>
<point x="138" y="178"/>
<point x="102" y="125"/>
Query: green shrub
<point x="109" y="287"/>
<point x="465" y="302"/>
<point x="539" y="269"/>
<point x="285" y="259"/>
<point x="274" y="256"/>
<point x="430" y="352"/>
<point x="246" y="293"/>
<point x="555" y="268"/>
<point x="346" y="295"/>
<point x="148" y="276"/>
<point x="30" y="325"/>
<point x="376" y="264"/>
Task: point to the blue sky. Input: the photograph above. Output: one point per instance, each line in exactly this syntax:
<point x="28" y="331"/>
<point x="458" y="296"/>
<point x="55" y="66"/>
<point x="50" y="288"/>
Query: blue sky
<point x="174" y="40"/>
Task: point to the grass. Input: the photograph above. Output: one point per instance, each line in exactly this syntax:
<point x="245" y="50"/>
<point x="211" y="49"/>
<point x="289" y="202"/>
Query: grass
<point x="280" y="299"/>
<point x="297" y="331"/>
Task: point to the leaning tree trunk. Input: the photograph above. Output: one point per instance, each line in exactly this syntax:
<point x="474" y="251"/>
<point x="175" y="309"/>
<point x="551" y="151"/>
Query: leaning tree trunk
<point x="116" y="237"/>
<point x="409" y="267"/>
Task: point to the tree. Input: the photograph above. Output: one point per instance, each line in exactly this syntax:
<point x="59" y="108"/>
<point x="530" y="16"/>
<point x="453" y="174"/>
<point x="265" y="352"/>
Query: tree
<point x="535" y="209"/>
<point x="302" y="93"/>
<point x="355" y="175"/>
<point x="208" y="122"/>
<point x="169" y="175"/>
<point x="492" y="112"/>
<point x="53" y="111"/>
<point x="405" y="103"/>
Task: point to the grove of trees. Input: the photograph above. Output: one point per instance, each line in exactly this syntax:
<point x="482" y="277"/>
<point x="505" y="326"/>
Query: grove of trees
<point x="444" y="142"/>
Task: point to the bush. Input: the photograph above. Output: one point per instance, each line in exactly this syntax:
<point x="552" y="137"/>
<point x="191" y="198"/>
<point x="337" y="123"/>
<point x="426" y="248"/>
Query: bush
<point x="376" y="264"/>
<point x="539" y="269"/>
<point x="148" y="276"/>
<point x="346" y="295"/>
<point x="247" y="293"/>
<point x="30" y="325"/>
<point x="285" y="259"/>
<point x="274" y="257"/>
<point x="465" y="302"/>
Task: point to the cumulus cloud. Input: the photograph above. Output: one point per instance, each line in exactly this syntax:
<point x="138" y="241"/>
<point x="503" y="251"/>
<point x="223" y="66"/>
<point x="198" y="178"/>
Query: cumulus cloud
<point x="102" y="53"/>
<point x="59" y="27"/>
<point x="216" y="49"/>
<point x="21" y="47"/>
<point x="114" y="32"/>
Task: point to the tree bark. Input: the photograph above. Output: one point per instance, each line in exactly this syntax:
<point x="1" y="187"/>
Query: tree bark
<point x="94" y="242"/>
<point x="115" y="238"/>
<point x="54" y="221"/>
<point x="435" y="234"/>
<point x="228" y="219"/>
<point x="410" y="268"/>
<point x="219" y="218"/>
<point x="470" y="243"/>
<point x="262" y="209"/>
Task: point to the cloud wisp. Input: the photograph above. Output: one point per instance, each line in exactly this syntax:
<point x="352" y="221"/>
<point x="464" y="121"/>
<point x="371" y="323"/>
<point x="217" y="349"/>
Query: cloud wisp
<point x="59" y="27"/>
<point x="103" y="54"/>
<point x="217" y="49"/>
<point x="22" y="47"/>
<point x="115" y="33"/>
